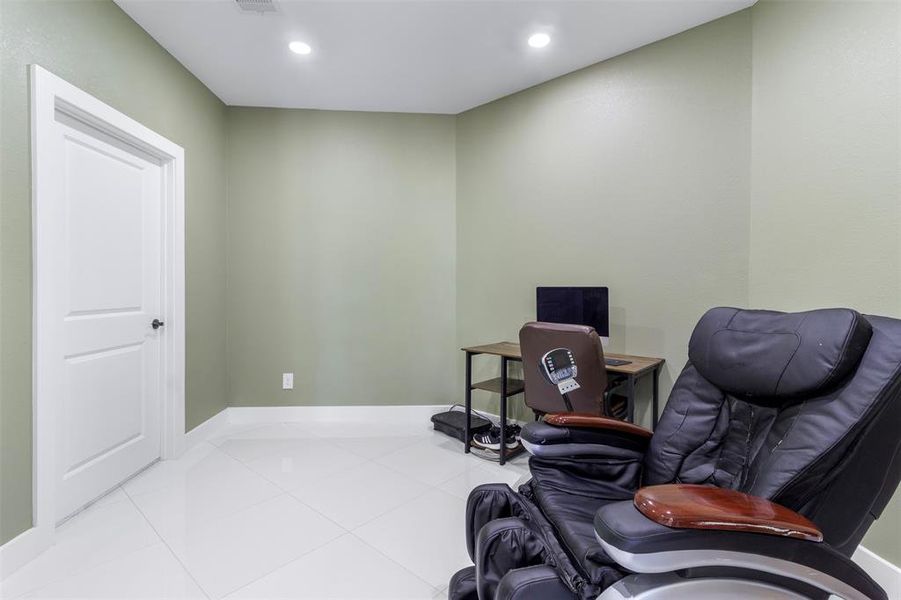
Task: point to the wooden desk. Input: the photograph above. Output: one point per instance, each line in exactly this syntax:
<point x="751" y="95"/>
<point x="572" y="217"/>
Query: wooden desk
<point x="638" y="367"/>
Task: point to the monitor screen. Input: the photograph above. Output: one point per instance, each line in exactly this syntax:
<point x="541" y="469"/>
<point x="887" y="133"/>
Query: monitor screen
<point x="575" y="306"/>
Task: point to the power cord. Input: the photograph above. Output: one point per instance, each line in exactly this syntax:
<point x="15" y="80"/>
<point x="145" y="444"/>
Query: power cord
<point x="477" y="413"/>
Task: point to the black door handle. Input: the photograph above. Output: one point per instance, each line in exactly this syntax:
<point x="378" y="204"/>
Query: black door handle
<point x="157" y="324"/>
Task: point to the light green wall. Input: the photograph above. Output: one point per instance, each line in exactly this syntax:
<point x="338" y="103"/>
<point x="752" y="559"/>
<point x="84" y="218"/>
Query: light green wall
<point x="95" y="46"/>
<point x="632" y="173"/>
<point x="825" y="206"/>
<point x="341" y="257"/>
<point x="826" y="168"/>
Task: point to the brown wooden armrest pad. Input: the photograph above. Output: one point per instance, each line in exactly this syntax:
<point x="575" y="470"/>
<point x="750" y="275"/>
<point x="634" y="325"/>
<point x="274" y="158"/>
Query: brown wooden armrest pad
<point x="595" y="422"/>
<point x="685" y="506"/>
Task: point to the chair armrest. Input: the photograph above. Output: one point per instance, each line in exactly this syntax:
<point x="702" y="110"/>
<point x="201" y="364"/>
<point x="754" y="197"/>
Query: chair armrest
<point x="595" y="422"/>
<point x="685" y="506"/>
<point x="642" y="545"/>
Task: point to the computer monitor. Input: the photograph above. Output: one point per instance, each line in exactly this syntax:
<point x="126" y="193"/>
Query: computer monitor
<point x="575" y="306"/>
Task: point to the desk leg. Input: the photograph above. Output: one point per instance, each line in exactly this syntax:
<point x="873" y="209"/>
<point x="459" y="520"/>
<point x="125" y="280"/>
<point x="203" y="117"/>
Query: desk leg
<point x="630" y="392"/>
<point x="656" y="399"/>
<point x="503" y="451"/>
<point x="468" y="403"/>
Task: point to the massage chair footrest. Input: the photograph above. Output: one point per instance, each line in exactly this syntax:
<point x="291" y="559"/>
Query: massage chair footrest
<point x="539" y="582"/>
<point x="507" y="531"/>
<point x="463" y="585"/>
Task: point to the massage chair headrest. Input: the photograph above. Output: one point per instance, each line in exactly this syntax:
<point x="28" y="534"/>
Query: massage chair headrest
<point x="769" y="357"/>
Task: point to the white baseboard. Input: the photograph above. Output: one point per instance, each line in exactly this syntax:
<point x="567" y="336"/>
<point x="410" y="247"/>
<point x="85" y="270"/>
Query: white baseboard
<point x="497" y="419"/>
<point x="22" y="549"/>
<point x="208" y="429"/>
<point x="375" y="414"/>
<point x="418" y="414"/>
<point x="885" y="573"/>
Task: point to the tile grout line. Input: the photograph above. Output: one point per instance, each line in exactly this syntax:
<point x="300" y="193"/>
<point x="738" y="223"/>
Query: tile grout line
<point x="396" y="470"/>
<point x="326" y="517"/>
<point x="286" y="490"/>
<point x="102" y="563"/>
<point x="270" y="455"/>
<point x="429" y="487"/>
<point x="353" y="532"/>
<point x="216" y="449"/>
<point x="284" y="493"/>
<point x="285" y="564"/>
<point x="226" y="515"/>
<point x="169" y="548"/>
<point x="401" y="505"/>
<point x="287" y="493"/>
<point x="435" y="588"/>
<point x="295" y="559"/>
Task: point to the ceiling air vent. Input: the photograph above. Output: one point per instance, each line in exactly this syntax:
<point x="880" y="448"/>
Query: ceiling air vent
<point x="256" y="6"/>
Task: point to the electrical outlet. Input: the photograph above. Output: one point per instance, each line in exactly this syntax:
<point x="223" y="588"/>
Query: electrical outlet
<point x="287" y="381"/>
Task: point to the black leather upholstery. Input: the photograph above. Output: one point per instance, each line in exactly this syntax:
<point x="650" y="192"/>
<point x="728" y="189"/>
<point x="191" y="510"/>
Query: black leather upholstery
<point x="765" y="356"/>
<point x="532" y="583"/>
<point x="794" y="451"/>
<point x="542" y="434"/>
<point x="800" y="408"/>
<point x="571" y="517"/>
<point x="463" y="585"/>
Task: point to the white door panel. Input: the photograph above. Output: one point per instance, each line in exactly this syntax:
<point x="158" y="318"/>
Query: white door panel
<point x="110" y="290"/>
<point x="103" y="388"/>
<point x="105" y="198"/>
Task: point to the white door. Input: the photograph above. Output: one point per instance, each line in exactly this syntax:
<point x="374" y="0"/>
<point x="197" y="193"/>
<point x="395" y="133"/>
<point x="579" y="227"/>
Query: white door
<point x="107" y="263"/>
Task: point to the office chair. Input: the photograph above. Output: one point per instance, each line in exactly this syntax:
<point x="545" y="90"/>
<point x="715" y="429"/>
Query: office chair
<point x="541" y="395"/>
<point x="779" y="446"/>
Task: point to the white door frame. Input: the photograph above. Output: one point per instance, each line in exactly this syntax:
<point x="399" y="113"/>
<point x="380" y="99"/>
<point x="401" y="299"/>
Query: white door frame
<point x="49" y="94"/>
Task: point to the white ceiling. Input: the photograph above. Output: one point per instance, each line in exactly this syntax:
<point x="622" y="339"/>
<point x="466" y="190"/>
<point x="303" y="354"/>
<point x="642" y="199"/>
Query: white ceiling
<point x="433" y="56"/>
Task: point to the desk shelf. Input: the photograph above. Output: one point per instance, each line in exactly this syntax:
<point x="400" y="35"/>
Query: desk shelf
<point x="514" y="386"/>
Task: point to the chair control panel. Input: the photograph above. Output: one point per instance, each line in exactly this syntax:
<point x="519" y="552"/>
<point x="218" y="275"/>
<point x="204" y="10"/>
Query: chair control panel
<point x="559" y="368"/>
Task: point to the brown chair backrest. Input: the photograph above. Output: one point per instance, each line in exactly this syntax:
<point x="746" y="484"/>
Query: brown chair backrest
<point x="535" y="339"/>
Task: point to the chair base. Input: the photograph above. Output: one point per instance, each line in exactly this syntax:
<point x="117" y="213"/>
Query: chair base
<point x="666" y="586"/>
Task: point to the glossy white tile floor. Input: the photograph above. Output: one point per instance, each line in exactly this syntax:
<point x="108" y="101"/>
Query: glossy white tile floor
<point x="287" y="510"/>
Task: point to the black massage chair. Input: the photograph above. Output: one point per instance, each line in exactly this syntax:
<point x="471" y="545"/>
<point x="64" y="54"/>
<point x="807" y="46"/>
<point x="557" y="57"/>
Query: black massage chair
<point x="777" y="449"/>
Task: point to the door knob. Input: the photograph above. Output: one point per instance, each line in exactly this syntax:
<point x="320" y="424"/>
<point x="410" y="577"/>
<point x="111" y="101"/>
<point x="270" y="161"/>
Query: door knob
<point x="156" y="324"/>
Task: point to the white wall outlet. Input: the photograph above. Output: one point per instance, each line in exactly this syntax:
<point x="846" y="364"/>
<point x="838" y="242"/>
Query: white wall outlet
<point x="287" y="381"/>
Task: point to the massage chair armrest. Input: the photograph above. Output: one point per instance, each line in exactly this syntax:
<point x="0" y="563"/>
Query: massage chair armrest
<point x="722" y="532"/>
<point x="594" y="422"/>
<point x="685" y="506"/>
<point x="572" y="434"/>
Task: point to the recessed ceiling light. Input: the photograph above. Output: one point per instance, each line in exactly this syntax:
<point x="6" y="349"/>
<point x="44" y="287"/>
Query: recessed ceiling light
<point x="539" y="40"/>
<point x="299" y="48"/>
